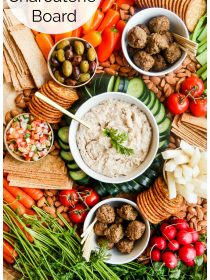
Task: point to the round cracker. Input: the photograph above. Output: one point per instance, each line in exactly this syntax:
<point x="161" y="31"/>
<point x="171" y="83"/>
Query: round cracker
<point x="47" y="108"/>
<point x="47" y="89"/>
<point x="40" y="116"/>
<point x="185" y="9"/>
<point x="154" y="207"/>
<point x="63" y="92"/>
<point x="54" y="98"/>
<point x="152" y="216"/>
<point x="171" y="5"/>
<point x="195" y="10"/>
<point x="141" y="206"/>
<point x="179" y="8"/>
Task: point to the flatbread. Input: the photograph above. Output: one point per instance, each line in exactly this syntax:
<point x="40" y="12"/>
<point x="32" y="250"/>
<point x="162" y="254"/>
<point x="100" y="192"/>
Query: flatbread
<point x="195" y="10"/>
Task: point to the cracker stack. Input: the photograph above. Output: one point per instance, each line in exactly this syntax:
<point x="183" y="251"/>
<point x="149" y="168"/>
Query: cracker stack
<point x="48" y="173"/>
<point x="63" y="96"/>
<point x="155" y="204"/>
<point x="189" y="11"/>
<point x="191" y="129"/>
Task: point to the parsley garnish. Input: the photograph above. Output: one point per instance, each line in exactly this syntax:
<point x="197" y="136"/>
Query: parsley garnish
<point x="117" y="139"/>
<point x="27" y="135"/>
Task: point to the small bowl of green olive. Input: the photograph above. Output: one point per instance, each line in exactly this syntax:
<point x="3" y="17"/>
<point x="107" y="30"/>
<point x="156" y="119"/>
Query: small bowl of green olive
<point x="72" y="62"/>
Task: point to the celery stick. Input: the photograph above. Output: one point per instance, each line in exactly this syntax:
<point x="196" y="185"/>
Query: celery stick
<point x="203" y="34"/>
<point x="202" y="42"/>
<point x="202" y="48"/>
<point x="202" y="58"/>
<point x="201" y="70"/>
<point x="198" y="28"/>
<point x="204" y="75"/>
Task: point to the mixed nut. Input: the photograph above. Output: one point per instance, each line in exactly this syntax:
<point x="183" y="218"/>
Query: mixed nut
<point x="73" y="62"/>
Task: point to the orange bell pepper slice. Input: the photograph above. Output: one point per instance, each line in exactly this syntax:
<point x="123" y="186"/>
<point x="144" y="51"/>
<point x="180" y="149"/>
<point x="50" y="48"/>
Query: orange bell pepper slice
<point x="77" y="32"/>
<point x="61" y="36"/>
<point x="106" y="5"/>
<point x="45" y="43"/>
<point x="94" y="38"/>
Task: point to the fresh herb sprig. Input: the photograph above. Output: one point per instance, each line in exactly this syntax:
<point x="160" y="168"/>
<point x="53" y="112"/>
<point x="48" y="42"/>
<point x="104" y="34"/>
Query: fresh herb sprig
<point x="117" y="139"/>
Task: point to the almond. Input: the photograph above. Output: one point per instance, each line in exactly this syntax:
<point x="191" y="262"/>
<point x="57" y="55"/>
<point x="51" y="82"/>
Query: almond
<point x="49" y="193"/>
<point x="132" y="10"/>
<point x="57" y="203"/>
<point x="124" y="69"/>
<point x="8" y="117"/>
<point x="61" y="223"/>
<point x="155" y="80"/>
<point x="150" y="85"/>
<point x="163" y="82"/>
<point x="14" y="113"/>
<point x="112" y="58"/>
<point x="192" y="210"/>
<point x="41" y="202"/>
<point x="66" y="217"/>
<point x="116" y="67"/>
<point x="110" y="71"/>
<point x="60" y="209"/>
<point x="50" y="201"/>
<point x="105" y="64"/>
<point x="119" y="61"/>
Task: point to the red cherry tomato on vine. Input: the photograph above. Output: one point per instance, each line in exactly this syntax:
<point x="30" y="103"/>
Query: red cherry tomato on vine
<point x="89" y="196"/>
<point x="177" y="103"/>
<point x="78" y="214"/>
<point x="69" y="197"/>
<point x="193" y="85"/>
<point x="199" y="107"/>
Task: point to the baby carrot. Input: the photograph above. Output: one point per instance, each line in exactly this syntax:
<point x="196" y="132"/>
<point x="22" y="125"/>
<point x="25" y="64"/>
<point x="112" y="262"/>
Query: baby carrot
<point x="9" y="250"/>
<point x="36" y="194"/>
<point x="13" y="203"/>
<point x="20" y="195"/>
<point x="30" y="212"/>
<point x="27" y="235"/>
<point x="8" y="259"/>
<point x="5" y="227"/>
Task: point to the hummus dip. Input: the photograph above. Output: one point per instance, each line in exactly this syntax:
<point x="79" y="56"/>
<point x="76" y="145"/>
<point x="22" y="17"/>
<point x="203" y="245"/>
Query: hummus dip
<point x="96" y="149"/>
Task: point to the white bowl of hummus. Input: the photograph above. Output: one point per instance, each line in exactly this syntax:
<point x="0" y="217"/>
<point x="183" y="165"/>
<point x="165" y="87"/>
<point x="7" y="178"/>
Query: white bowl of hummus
<point x="123" y="139"/>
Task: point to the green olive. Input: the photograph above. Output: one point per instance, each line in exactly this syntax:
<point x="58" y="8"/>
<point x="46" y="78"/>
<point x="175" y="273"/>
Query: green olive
<point x="54" y="54"/>
<point x="91" y="54"/>
<point x="79" y="47"/>
<point x="84" y="77"/>
<point x="59" y="77"/>
<point x="84" y="66"/>
<point x="63" y="44"/>
<point x="67" y="68"/>
<point x="61" y="55"/>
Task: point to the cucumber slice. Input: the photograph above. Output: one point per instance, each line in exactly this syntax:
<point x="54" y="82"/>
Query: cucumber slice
<point x="112" y="189"/>
<point x="152" y="174"/>
<point x="148" y="99"/>
<point x="151" y="104"/>
<point x="136" y="87"/>
<point x="156" y="108"/>
<point x="144" y="181"/>
<point x="111" y="84"/>
<point x="116" y="84"/>
<point x="163" y="145"/>
<point x="126" y="83"/>
<point x="73" y="166"/>
<point x="63" y="146"/>
<point x="160" y="117"/>
<point x="66" y="156"/>
<point x="84" y="181"/>
<point x="101" y="190"/>
<point x="121" y="85"/>
<point x="164" y="127"/>
<point x="78" y="175"/>
<point x="63" y="134"/>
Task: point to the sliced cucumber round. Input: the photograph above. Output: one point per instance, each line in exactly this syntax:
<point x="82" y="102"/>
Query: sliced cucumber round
<point x="63" y="146"/>
<point x="63" y="134"/>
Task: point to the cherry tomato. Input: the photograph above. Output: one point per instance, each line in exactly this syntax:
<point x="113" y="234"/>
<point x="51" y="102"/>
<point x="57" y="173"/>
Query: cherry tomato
<point x="193" y="86"/>
<point x="78" y="214"/>
<point x="89" y="197"/>
<point x="177" y="103"/>
<point x="199" y="107"/>
<point x="69" y="197"/>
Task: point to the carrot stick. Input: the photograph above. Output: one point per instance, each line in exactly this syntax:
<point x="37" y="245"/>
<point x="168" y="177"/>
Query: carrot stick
<point x="13" y="203"/>
<point x="27" y="235"/>
<point x="9" y="250"/>
<point x="5" y="227"/>
<point x="22" y="197"/>
<point x="30" y="212"/>
<point x="36" y="194"/>
<point x="8" y="259"/>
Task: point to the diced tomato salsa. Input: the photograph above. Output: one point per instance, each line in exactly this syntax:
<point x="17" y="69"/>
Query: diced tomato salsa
<point x="29" y="137"/>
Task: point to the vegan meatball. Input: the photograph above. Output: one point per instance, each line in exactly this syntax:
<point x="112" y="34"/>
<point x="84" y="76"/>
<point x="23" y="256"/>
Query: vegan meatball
<point x="145" y="28"/>
<point x="127" y="212"/>
<point x="156" y="43"/>
<point x="173" y="53"/>
<point x="135" y="230"/>
<point x="137" y="37"/>
<point x="118" y="220"/>
<point x="105" y="214"/>
<point x="114" y="233"/>
<point x="159" y="24"/>
<point x="131" y="51"/>
<point x="160" y="63"/>
<point x="125" y="245"/>
<point x="99" y="228"/>
<point x="103" y="242"/>
<point x="143" y="60"/>
<point x="169" y="37"/>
